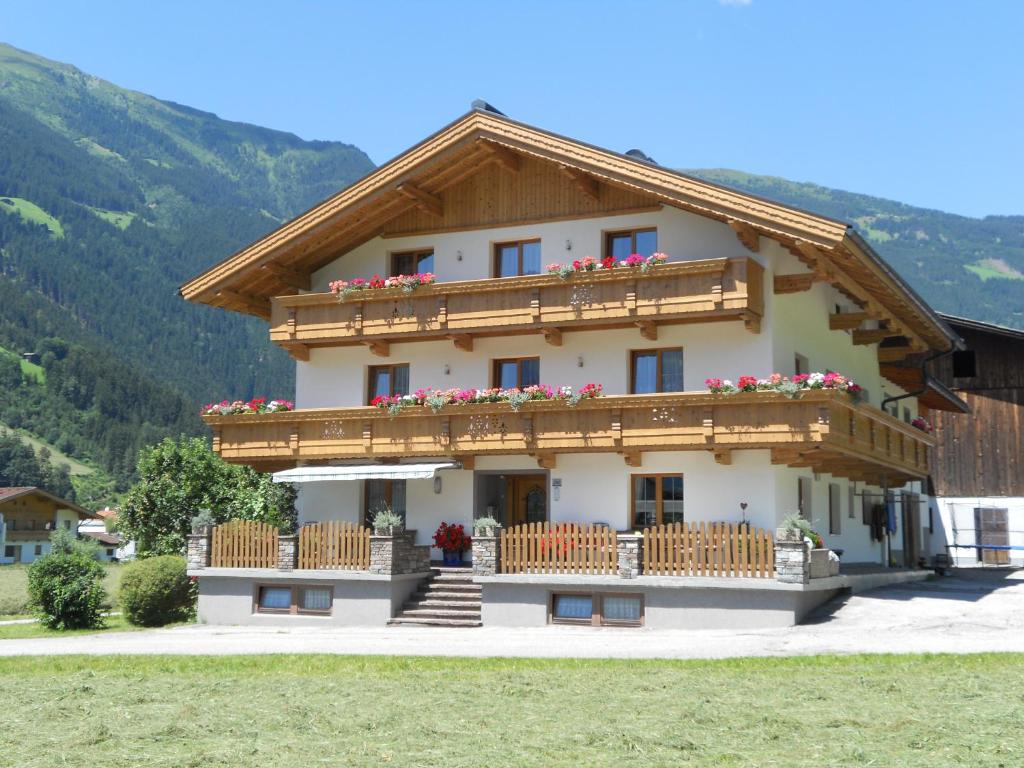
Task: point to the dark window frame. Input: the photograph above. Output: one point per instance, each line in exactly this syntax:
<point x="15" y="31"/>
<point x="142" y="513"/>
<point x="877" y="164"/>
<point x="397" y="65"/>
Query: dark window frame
<point x="389" y="499"/>
<point x="372" y="369"/>
<point x="294" y="608"/>
<point x="496" y="365"/>
<point x="496" y="257"/>
<point x="805" y="501"/>
<point x="415" y="253"/>
<point x="597" y="618"/>
<point x="659" y="501"/>
<point x="616" y="233"/>
<point x="835" y="510"/>
<point x="659" y="372"/>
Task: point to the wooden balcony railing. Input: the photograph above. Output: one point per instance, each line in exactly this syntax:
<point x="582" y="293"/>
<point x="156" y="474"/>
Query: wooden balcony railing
<point x="678" y="292"/>
<point x="826" y="430"/>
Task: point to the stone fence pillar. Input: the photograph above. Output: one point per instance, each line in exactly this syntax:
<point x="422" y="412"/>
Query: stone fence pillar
<point x="630" y="554"/>
<point x="198" y="548"/>
<point x="397" y="553"/>
<point x="792" y="557"/>
<point x="486" y="552"/>
<point x="287" y="551"/>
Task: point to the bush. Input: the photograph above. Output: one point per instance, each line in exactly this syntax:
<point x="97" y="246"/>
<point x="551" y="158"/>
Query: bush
<point x="156" y="591"/>
<point x="66" y="590"/>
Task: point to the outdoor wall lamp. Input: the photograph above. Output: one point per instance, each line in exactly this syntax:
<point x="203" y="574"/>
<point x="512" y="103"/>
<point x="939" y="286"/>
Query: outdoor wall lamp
<point x="437" y="483"/>
<point x="447" y="370"/>
<point x="579" y="361"/>
<point x="568" y="245"/>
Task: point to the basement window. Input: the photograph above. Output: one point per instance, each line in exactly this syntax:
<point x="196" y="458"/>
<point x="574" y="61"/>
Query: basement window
<point x="597" y="609"/>
<point x="300" y="599"/>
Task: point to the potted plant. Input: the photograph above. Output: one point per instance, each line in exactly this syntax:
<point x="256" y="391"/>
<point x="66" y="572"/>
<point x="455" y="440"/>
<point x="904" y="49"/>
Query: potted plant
<point x="452" y="541"/>
<point x="485" y="526"/>
<point x="386" y="522"/>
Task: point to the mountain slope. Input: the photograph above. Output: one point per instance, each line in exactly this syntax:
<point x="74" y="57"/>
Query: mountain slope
<point x="960" y="265"/>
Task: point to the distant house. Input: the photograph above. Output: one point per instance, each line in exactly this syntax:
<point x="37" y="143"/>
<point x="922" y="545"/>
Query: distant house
<point x="978" y="466"/>
<point x="28" y="515"/>
<point x="113" y="547"/>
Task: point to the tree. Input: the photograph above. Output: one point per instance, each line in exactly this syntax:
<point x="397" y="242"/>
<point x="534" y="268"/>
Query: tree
<point x="178" y="479"/>
<point x="66" y="586"/>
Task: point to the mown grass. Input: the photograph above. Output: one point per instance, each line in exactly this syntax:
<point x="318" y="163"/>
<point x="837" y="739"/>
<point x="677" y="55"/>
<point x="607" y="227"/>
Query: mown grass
<point x="892" y="711"/>
<point x="31" y="213"/>
<point x="20" y="631"/>
<point x="29" y="370"/>
<point x="14" y="589"/>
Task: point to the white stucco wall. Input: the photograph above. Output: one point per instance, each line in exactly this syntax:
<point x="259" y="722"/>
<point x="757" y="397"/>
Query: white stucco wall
<point x="954" y="524"/>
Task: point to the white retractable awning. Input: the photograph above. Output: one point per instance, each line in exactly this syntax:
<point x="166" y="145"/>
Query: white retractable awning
<point x="363" y="472"/>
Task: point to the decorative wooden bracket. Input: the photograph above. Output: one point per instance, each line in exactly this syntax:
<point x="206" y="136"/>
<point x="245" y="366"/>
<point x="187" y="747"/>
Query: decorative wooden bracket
<point x="535" y="305"/>
<point x="722" y="456"/>
<point x="254" y="304"/>
<point x="617" y="427"/>
<point x="847" y="321"/>
<point x="553" y="336"/>
<point x="752" y="322"/>
<point x="290" y="277"/>
<point x="631" y="296"/>
<point x="717" y="295"/>
<point x="462" y="341"/>
<point x="293" y="321"/>
<point x="216" y="439"/>
<point x="648" y="329"/>
<point x="504" y="156"/>
<point x="442" y="311"/>
<point x="297" y="351"/>
<point x="293" y="439"/>
<point x="446" y="431"/>
<point x="368" y="436"/>
<point x="871" y="336"/>
<point x="707" y="422"/>
<point x="357" y="317"/>
<point x="425" y="201"/>
<point x="379" y="348"/>
<point x="527" y="425"/>
<point x="586" y="183"/>
<point x="824" y="421"/>
<point x="794" y="283"/>
<point x="546" y="460"/>
<point x="746" y="234"/>
<point x="633" y="458"/>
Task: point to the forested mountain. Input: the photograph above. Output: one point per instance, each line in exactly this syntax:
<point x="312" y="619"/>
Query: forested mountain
<point x="960" y="265"/>
<point x="109" y="200"/>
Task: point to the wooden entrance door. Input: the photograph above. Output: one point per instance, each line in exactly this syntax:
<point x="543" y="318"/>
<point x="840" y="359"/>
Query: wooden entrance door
<point x="527" y="499"/>
<point x="992" y="526"/>
<point x="911" y="527"/>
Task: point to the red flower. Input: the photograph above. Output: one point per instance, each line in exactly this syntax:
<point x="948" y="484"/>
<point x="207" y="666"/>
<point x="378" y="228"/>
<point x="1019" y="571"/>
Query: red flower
<point x="576" y="264"/>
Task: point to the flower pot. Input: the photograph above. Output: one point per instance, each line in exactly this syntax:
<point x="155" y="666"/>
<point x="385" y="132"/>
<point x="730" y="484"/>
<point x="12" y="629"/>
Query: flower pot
<point x="452" y="558"/>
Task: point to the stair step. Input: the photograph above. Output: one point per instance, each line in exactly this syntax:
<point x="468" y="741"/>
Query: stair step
<point x="464" y="586"/>
<point x="465" y="571"/>
<point x="428" y="622"/>
<point x="442" y="613"/>
<point x="453" y="605"/>
<point x="441" y="594"/>
<point x="453" y="577"/>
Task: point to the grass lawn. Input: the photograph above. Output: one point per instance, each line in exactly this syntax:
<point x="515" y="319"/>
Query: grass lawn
<point x="14" y="589"/>
<point x="18" y="631"/>
<point x="891" y="711"/>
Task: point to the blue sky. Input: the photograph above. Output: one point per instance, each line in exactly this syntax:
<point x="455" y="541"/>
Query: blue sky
<point x="917" y="101"/>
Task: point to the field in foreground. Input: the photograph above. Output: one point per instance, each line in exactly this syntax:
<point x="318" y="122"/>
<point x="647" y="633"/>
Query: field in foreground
<point x="315" y="710"/>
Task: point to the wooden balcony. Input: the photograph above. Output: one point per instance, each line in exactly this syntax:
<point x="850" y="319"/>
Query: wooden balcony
<point x="678" y="292"/>
<point x="824" y="430"/>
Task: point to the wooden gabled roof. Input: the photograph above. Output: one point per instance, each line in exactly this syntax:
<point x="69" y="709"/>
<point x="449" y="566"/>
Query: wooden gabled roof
<point x="9" y="493"/>
<point x="282" y="261"/>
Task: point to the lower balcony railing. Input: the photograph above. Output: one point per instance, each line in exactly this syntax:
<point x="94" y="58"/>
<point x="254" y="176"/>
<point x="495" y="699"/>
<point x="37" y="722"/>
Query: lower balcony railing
<point x="822" y="429"/>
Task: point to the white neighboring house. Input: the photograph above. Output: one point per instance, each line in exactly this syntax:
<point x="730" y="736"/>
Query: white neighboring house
<point x="28" y="515"/>
<point x="112" y="547"/>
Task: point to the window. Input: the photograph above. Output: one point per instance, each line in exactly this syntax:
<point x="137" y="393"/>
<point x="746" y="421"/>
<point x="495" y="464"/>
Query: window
<point x="8" y="551"/>
<point x="835" y="516"/>
<point x="110" y="551"/>
<point x="656" y="370"/>
<point x="619" y="245"/>
<point x="516" y="372"/>
<point x="800" y="365"/>
<point x="381" y="494"/>
<point x="657" y="499"/>
<point x="411" y="262"/>
<point x="387" y="380"/>
<point x="67" y="525"/>
<point x="851" y="501"/>
<point x="301" y="599"/>
<point x="803" y="497"/>
<point x="521" y="258"/>
<point x="39" y="550"/>
<point x="906" y="414"/>
<point x="599" y="609"/>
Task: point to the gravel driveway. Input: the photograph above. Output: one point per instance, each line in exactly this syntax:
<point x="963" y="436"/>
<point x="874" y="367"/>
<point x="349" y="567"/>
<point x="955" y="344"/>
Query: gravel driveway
<point x="973" y="611"/>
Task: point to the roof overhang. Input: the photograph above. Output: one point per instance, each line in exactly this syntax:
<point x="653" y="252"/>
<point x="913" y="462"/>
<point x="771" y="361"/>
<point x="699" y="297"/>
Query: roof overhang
<point x="282" y="261"/>
<point x="423" y="471"/>
<point x="61" y="503"/>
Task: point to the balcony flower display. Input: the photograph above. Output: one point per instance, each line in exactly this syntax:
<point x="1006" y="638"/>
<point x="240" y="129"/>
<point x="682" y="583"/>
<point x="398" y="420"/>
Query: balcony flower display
<point x="591" y="264"/>
<point x="923" y="424"/>
<point x="785" y="385"/>
<point x="453" y="541"/>
<point x="408" y="283"/>
<point x="436" y="399"/>
<point x="256" y="405"/>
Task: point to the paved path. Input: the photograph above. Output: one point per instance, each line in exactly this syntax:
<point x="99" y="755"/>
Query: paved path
<point x="972" y="612"/>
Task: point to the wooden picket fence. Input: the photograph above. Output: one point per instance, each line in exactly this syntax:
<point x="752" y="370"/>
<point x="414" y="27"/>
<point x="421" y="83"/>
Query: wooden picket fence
<point x="560" y="548"/>
<point x="334" y="545"/>
<point x="244" y="544"/>
<point x="708" y="549"/>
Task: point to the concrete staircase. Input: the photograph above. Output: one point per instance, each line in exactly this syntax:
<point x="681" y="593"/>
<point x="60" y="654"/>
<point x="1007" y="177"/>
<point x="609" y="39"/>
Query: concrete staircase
<point x="448" y="598"/>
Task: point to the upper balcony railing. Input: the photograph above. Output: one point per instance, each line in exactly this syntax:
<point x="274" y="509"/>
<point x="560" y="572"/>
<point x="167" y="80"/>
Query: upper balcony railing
<point x="822" y="429"/>
<point x="676" y="292"/>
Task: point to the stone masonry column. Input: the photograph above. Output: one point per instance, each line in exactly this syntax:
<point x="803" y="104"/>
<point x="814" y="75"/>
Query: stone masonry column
<point x="486" y="553"/>
<point x="792" y="558"/>
<point x="631" y="554"/>
<point x="397" y="553"/>
<point x="198" y="548"/>
<point x="287" y="551"/>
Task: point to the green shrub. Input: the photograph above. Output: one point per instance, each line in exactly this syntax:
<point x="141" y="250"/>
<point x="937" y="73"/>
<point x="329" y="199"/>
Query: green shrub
<point x="66" y="590"/>
<point x="156" y="591"/>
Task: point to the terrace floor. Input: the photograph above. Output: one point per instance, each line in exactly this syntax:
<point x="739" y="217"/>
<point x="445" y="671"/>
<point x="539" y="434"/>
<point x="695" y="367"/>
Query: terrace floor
<point x="975" y="610"/>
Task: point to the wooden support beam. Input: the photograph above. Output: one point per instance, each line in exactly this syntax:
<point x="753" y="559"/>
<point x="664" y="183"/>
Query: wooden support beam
<point x="467" y="462"/>
<point x="586" y="183"/>
<point x="633" y="458"/>
<point x="546" y="460"/>
<point x="424" y="200"/>
<point x="553" y="336"/>
<point x="752" y="322"/>
<point x="894" y="354"/>
<point x="723" y="456"/>
<point x="379" y="348"/>
<point x="648" y="329"/>
<point x="297" y="351"/>
<point x="290" y="277"/>
<point x="462" y="341"/>
<point x="257" y="305"/>
<point x="871" y="336"/>
<point x="847" y="321"/>
<point x="794" y="283"/>
<point x="746" y="234"/>
<point x="504" y="156"/>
